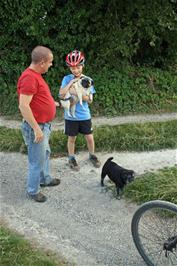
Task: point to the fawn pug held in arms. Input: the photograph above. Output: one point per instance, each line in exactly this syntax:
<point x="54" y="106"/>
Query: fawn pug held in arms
<point x="81" y="87"/>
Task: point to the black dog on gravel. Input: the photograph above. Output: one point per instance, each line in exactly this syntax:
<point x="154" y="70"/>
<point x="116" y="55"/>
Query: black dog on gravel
<point x="119" y="175"/>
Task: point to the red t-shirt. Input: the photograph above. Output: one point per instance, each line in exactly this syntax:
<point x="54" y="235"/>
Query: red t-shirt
<point x="42" y="104"/>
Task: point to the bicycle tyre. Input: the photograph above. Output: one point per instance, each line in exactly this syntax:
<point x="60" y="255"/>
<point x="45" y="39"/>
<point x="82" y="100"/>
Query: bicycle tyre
<point x="143" y="209"/>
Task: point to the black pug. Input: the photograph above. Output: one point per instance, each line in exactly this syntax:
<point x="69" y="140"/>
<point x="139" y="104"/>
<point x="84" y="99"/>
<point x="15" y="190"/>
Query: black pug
<point x="119" y="175"/>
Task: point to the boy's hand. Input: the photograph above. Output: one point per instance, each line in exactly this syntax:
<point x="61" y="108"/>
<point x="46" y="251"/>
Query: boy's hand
<point x="72" y="88"/>
<point x="87" y="98"/>
<point x="72" y="91"/>
<point x="73" y="81"/>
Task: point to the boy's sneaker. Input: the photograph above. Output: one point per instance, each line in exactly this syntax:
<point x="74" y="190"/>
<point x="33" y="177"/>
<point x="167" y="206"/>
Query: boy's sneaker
<point x="73" y="164"/>
<point x="39" y="197"/>
<point x="95" y="161"/>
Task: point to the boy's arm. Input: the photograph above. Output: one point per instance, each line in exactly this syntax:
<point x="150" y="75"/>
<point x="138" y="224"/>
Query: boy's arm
<point x="88" y="98"/>
<point x="64" y="90"/>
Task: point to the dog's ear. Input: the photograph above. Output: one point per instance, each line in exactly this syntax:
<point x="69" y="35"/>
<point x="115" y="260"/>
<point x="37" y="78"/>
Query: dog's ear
<point x="125" y="171"/>
<point x="124" y="176"/>
<point x="85" y="83"/>
<point x="130" y="172"/>
<point x="131" y="176"/>
<point x="127" y="175"/>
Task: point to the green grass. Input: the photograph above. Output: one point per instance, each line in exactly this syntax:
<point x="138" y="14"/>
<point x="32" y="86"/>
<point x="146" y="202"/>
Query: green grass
<point x="150" y="186"/>
<point x="127" y="137"/>
<point x="137" y="137"/>
<point x="15" y="250"/>
<point x="10" y="139"/>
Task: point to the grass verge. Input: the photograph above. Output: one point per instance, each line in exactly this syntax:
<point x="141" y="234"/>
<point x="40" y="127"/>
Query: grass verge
<point x="127" y="137"/>
<point x="161" y="185"/>
<point x="15" y="250"/>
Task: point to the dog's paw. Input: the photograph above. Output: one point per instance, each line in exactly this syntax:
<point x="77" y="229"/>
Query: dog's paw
<point x="69" y="114"/>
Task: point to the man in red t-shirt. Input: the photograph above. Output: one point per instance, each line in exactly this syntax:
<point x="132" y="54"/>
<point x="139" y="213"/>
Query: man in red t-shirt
<point x="38" y="109"/>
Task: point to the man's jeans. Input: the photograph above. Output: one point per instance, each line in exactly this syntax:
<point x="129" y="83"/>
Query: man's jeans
<point x="38" y="157"/>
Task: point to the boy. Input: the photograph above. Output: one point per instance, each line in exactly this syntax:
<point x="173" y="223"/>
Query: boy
<point x="82" y="122"/>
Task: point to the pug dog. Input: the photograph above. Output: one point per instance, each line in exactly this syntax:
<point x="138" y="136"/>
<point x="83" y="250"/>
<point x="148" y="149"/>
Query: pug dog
<point x="82" y="87"/>
<point x="117" y="174"/>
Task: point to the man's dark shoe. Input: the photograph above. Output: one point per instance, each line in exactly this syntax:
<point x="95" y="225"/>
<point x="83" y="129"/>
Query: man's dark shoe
<point x="39" y="197"/>
<point x="54" y="182"/>
<point x="94" y="160"/>
<point x="73" y="164"/>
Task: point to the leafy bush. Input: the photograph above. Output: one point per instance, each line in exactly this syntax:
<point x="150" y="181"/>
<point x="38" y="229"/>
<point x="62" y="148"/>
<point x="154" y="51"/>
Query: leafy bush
<point x="139" y="33"/>
<point x="134" y="90"/>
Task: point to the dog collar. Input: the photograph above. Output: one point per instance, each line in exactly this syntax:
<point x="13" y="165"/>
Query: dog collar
<point x="66" y="99"/>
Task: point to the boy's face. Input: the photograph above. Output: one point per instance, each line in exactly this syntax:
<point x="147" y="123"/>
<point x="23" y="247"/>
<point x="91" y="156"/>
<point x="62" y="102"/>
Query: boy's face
<point x="77" y="70"/>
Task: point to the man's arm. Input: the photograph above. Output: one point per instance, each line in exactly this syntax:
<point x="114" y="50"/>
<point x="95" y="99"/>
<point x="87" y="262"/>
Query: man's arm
<point x="24" y="106"/>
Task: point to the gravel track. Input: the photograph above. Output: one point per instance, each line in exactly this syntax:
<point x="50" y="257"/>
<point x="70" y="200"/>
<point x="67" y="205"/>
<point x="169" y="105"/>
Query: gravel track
<point x="98" y="121"/>
<point x="80" y="220"/>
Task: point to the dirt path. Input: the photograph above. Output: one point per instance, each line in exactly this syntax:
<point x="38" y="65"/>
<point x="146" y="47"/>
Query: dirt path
<point x="97" y="121"/>
<point x="80" y="220"/>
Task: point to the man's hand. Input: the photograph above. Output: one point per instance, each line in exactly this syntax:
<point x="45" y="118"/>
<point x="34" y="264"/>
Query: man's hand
<point x="57" y="104"/>
<point x="38" y="135"/>
<point x="24" y="105"/>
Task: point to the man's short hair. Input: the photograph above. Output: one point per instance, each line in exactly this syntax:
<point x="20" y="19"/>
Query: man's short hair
<point x="40" y="53"/>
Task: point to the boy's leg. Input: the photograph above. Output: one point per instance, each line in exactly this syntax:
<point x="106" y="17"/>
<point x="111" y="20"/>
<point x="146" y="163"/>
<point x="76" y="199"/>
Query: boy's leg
<point x="71" y="145"/>
<point x="90" y="143"/>
<point x="91" y="149"/>
<point x="71" y="130"/>
<point x="85" y="128"/>
<point x="71" y="153"/>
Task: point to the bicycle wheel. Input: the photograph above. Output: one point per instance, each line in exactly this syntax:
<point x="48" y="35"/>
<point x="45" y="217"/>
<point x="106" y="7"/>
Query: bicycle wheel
<point x="154" y="232"/>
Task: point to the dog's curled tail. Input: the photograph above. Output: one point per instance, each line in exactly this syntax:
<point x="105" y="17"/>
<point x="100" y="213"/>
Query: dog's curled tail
<point x="110" y="159"/>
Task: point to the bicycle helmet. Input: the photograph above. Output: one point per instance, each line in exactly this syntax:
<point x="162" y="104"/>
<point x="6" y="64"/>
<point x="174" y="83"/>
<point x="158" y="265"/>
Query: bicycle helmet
<point x="75" y="58"/>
